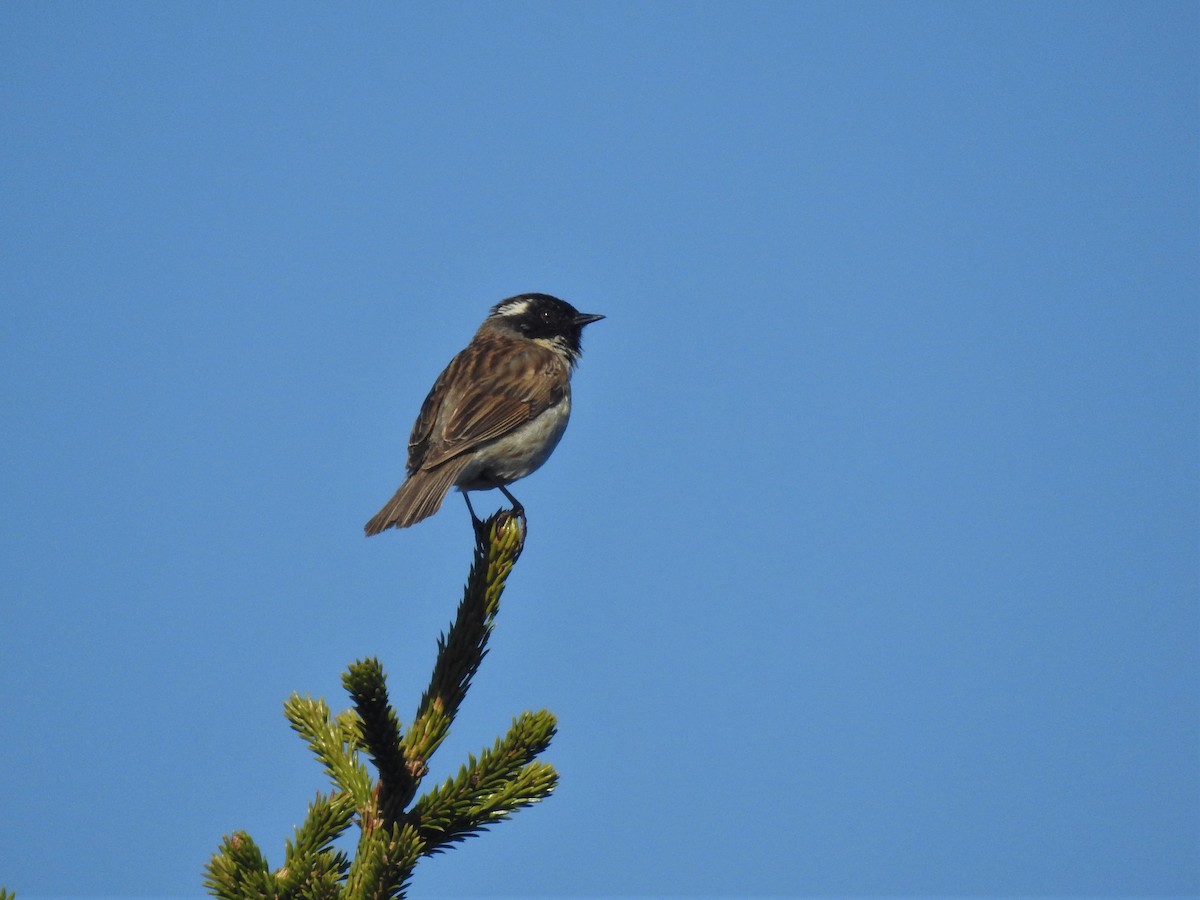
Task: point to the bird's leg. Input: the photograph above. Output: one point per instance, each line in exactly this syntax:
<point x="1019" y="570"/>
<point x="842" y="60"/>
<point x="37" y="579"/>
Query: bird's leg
<point x="476" y="522"/>
<point x="517" y="509"/>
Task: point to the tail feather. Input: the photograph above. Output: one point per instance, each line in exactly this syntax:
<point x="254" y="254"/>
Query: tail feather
<point x="418" y="498"/>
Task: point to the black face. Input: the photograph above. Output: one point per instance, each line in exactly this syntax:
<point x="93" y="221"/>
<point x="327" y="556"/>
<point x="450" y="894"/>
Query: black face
<point x="542" y="317"/>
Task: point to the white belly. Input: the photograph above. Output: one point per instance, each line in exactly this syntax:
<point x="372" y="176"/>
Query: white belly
<point x="518" y="453"/>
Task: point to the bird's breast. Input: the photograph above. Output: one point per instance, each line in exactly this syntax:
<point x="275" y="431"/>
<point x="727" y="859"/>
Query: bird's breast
<point x="517" y="453"/>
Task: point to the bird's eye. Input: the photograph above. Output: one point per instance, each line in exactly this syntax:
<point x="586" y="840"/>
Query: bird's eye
<point x="546" y="315"/>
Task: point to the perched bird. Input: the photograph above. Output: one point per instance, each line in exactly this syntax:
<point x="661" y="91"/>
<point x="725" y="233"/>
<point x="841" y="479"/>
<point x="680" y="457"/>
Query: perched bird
<point x="496" y="413"/>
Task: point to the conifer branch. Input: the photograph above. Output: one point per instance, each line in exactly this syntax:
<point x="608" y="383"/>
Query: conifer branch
<point x="488" y="789"/>
<point x="498" y="544"/>
<point x="393" y="837"/>
<point x="239" y="871"/>
<point x="310" y="861"/>
<point x="333" y="743"/>
<point x="380" y="731"/>
<point x="384" y="862"/>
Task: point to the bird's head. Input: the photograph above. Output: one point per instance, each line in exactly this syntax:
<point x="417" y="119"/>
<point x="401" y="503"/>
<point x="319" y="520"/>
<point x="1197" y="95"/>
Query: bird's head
<point x="545" y="320"/>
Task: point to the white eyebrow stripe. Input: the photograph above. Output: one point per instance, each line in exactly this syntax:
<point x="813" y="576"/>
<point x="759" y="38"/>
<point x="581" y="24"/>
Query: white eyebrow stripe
<point x="516" y="308"/>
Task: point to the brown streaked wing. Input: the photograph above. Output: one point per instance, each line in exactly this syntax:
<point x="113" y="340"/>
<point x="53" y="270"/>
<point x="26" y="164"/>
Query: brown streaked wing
<point x="483" y="406"/>
<point x="431" y="409"/>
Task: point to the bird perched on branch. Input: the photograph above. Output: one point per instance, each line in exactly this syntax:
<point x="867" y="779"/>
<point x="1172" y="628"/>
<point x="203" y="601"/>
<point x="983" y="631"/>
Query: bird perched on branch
<point x="496" y="413"/>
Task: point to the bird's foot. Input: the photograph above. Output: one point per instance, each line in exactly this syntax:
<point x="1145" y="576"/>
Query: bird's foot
<point x="517" y="508"/>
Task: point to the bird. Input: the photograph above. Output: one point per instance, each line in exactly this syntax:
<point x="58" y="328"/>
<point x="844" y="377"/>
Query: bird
<point x="496" y="412"/>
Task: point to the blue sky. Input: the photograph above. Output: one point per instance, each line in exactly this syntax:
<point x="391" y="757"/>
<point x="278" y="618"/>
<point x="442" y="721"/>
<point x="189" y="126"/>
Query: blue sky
<point x="869" y="563"/>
